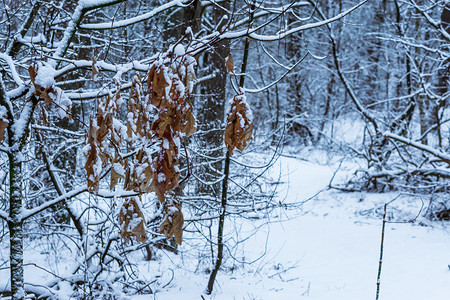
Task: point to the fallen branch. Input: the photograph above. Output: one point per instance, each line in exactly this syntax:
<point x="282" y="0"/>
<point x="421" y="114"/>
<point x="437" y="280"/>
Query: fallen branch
<point x="439" y="154"/>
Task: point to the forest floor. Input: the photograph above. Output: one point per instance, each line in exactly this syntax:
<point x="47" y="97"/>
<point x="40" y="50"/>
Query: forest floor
<point x="326" y="248"/>
<point x="329" y="247"/>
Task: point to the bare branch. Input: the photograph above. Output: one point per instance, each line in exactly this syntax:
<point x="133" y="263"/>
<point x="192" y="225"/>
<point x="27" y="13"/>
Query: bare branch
<point x="4" y="215"/>
<point x="137" y="19"/>
<point x="27" y="213"/>
<point x="439" y="154"/>
<point x="82" y="8"/>
<point x="259" y="37"/>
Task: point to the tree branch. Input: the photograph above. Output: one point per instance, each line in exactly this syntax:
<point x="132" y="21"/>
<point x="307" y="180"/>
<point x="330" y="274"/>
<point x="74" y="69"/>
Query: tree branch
<point x="252" y="33"/>
<point x="82" y="8"/>
<point x="443" y="156"/>
<point x="16" y="44"/>
<point x="27" y="213"/>
<point x="137" y="19"/>
<point x="4" y="215"/>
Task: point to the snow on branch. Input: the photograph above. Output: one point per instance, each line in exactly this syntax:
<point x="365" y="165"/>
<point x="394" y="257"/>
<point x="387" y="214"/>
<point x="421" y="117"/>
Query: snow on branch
<point x="4" y="101"/>
<point x="279" y="79"/>
<point x="134" y="20"/>
<point x="265" y="11"/>
<point x="439" y="154"/>
<point x="430" y="20"/>
<point x="252" y="33"/>
<point x="82" y="8"/>
<point x="27" y="213"/>
<point x="4" y="215"/>
<point x="12" y="68"/>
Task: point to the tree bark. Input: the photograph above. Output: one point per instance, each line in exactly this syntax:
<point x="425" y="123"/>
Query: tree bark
<point x="211" y="108"/>
<point x="15" y="225"/>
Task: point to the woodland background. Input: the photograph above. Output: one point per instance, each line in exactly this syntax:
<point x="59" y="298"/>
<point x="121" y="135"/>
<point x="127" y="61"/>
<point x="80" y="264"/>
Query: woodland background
<point x="114" y="113"/>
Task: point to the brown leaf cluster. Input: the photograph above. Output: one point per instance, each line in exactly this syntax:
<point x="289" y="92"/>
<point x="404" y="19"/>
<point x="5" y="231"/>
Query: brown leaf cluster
<point x="139" y="173"/>
<point x="49" y="94"/>
<point x="132" y="221"/>
<point x="99" y="137"/>
<point x="175" y="120"/>
<point x="169" y="83"/>
<point x="172" y="224"/>
<point x="139" y="169"/>
<point x="39" y="91"/>
<point x="138" y="121"/>
<point x="238" y="131"/>
<point x="92" y="158"/>
<point x="4" y="123"/>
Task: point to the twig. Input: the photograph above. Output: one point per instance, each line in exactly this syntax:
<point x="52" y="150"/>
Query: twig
<point x="380" y="262"/>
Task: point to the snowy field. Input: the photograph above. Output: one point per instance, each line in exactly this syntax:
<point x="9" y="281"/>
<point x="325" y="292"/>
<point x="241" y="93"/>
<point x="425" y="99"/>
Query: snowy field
<point x="327" y="248"/>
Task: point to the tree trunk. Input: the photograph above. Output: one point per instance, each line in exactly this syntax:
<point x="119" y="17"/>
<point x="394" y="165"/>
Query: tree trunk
<point x="211" y="108"/>
<point x="15" y="226"/>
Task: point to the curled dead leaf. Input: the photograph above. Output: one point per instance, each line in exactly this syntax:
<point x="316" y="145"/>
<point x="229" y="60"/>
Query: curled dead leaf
<point x="172" y="224"/>
<point x="132" y="221"/>
<point x="3" y="125"/>
<point x="95" y="69"/>
<point x="238" y="131"/>
<point x="229" y="64"/>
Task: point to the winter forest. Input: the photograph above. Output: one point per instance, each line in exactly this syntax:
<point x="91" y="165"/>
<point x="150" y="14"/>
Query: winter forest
<point x="224" y="149"/>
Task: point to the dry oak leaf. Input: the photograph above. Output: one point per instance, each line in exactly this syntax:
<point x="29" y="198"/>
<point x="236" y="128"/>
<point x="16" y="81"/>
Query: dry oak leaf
<point x="229" y="64"/>
<point x="95" y="69"/>
<point x="117" y="171"/>
<point x="92" y="157"/>
<point x="40" y="90"/>
<point x="172" y="226"/>
<point x="166" y="175"/>
<point x="238" y="131"/>
<point x="189" y="125"/>
<point x="157" y="84"/>
<point x="4" y="123"/>
<point x="132" y="221"/>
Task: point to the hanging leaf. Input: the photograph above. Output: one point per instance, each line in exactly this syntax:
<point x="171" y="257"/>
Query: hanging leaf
<point x="132" y="221"/>
<point x="92" y="158"/>
<point x="238" y="131"/>
<point x="3" y="125"/>
<point x="189" y="123"/>
<point x="117" y="171"/>
<point x="157" y="84"/>
<point x="95" y="69"/>
<point x="172" y="224"/>
<point x="229" y="64"/>
<point x="44" y="116"/>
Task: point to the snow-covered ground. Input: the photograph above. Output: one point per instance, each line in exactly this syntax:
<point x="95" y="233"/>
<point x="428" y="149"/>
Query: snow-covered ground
<point x="329" y="249"/>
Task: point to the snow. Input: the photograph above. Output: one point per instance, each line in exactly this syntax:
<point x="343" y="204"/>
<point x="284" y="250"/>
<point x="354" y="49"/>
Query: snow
<point x="63" y="44"/>
<point x="326" y="248"/>
<point x="161" y="177"/>
<point x="165" y="143"/>
<point x="3" y="112"/>
<point x="12" y="68"/>
<point x="179" y="50"/>
<point x="118" y="168"/>
<point x="20" y="124"/>
<point x="45" y="76"/>
<point x="62" y="102"/>
<point x="40" y="38"/>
